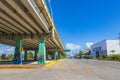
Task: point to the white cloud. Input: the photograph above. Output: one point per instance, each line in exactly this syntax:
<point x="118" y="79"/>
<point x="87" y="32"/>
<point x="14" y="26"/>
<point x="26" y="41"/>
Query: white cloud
<point x="73" y="47"/>
<point x="88" y="44"/>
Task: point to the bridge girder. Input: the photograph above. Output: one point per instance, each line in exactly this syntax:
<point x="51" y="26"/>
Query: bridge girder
<point x="29" y="21"/>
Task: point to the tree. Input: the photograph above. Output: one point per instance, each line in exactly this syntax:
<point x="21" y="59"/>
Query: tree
<point x="88" y="52"/>
<point x="112" y="51"/>
<point x="65" y="55"/>
<point x="10" y="56"/>
<point x="80" y="54"/>
<point x="30" y="56"/>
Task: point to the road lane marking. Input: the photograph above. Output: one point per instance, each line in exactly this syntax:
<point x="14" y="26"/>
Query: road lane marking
<point x="52" y="62"/>
<point x="73" y="67"/>
<point x="100" y="67"/>
<point x="62" y="67"/>
<point x="51" y="67"/>
<point x="87" y="68"/>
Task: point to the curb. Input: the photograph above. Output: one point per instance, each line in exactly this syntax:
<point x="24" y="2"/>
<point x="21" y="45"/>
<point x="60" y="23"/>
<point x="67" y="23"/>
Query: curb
<point x="21" y="66"/>
<point x="53" y="62"/>
<point x="29" y="66"/>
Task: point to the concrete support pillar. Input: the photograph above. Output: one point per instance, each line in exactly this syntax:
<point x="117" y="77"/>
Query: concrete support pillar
<point x="56" y="55"/>
<point x="60" y="56"/>
<point x="53" y="57"/>
<point x="35" y="55"/>
<point x="46" y="55"/>
<point x="25" y="55"/>
<point x="41" y="56"/>
<point x="17" y="54"/>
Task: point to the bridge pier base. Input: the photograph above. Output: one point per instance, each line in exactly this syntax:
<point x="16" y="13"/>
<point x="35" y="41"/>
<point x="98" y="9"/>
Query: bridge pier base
<point x="25" y="55"/>
<point x="41" y="56"/>
<point x="46" y="55"/>
<point x="17" y="54"/>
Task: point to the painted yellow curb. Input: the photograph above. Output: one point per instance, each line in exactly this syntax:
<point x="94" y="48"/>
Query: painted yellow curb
<point x="52" y="62"/>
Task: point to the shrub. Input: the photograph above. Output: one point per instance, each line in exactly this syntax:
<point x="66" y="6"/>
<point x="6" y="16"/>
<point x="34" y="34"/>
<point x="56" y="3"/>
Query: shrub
<point x="30" y="56"/>
<point x="100" y="58"/>
<point x="88" y="57"/>
<point x="115" y="57"/>
<point x="10" y="57"/>
<point x="104" y="56"/>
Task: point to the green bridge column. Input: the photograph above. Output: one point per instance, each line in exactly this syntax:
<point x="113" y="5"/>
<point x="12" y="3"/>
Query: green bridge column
<point x="17" y="55"/>
<point x="60" y="56"/>
<point x="35" y="55"/>
<point x="56" y="55"/>
<point x="63" y="57"/>
<point x="46" y="55"/>
<point x="25" y="55"/>
<point x="41" y="56"/>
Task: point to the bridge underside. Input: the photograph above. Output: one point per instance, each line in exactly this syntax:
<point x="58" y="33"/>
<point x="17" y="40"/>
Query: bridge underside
<point x="30" y="22"/>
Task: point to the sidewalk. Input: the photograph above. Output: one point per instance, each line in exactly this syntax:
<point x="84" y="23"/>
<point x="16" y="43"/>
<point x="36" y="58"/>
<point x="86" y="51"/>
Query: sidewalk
<point x="32" y="65"/>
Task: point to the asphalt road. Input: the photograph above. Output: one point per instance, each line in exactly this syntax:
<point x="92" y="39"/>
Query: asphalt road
<point x="69" y="69"/>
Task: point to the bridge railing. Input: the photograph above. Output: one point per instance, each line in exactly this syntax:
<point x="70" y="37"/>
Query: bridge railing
<point x="38" y="12"/>
<point x="51" y="21"/>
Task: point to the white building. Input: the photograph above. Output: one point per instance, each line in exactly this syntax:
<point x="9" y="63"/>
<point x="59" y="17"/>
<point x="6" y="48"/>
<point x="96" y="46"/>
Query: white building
<point x="105" y="47"/>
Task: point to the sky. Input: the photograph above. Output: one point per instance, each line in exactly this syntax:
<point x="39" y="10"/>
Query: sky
<point x="84" y="22"/>
<point x="81" y="23"/>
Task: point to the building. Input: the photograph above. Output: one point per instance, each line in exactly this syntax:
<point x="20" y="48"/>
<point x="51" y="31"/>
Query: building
<point x="105" y="47"/>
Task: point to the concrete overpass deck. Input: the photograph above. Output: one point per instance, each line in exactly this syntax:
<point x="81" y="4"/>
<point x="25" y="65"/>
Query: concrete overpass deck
<point x="29" y="21"/>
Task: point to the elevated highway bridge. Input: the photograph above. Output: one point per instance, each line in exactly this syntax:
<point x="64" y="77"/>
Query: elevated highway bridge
<point x="27" y="24"/>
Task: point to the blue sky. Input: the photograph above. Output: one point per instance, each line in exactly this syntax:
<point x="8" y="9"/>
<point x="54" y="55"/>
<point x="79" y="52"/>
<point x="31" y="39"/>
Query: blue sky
<point x="83" y="22"/>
